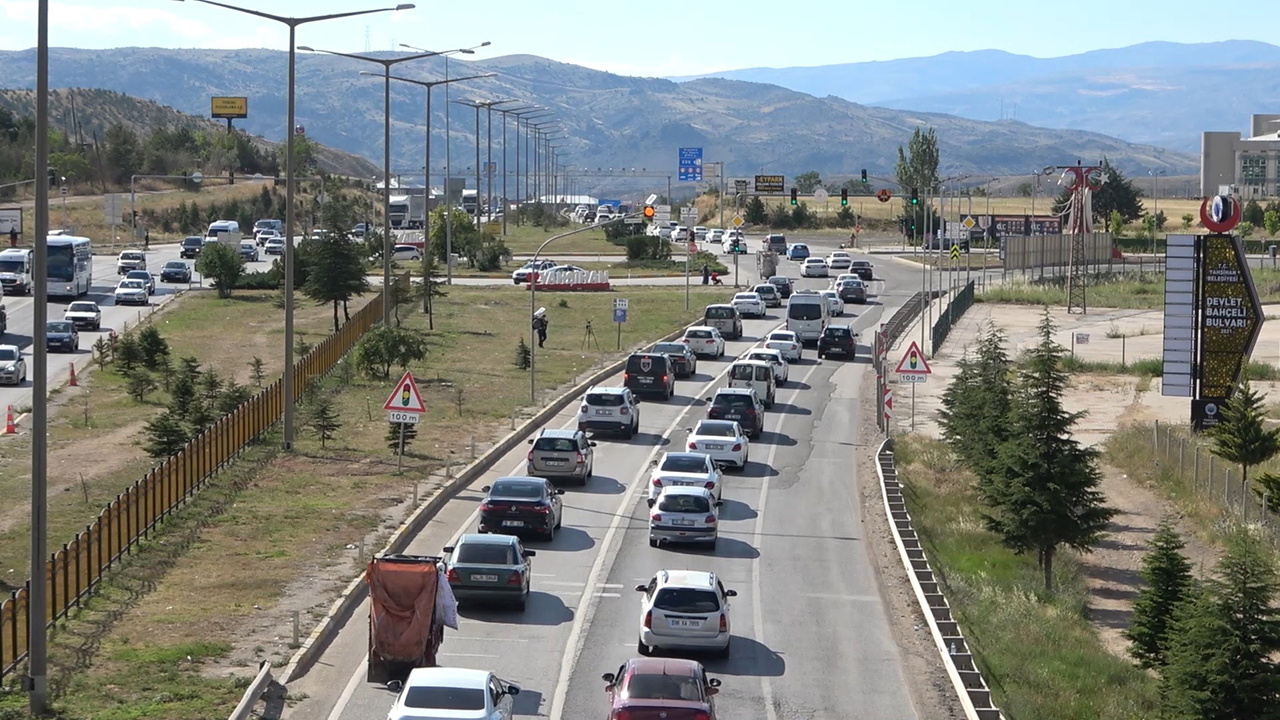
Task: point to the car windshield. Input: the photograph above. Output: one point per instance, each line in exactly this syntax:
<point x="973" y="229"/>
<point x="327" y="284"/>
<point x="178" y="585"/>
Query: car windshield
<point x="837" y="332"/>
<point x="87" y="307"/>
<point x="670" y="348"/>
<point x="805" y="311"/>
<point x="193" y="241"/>
<point x="130" y="256"/>
<point x="482" y="553"/>
<point x="605" y="399"/>
<point x="519" y="489"/>
<point x="733" y="400"/>
<point x="556" y="444"/>
<point x="686" y="600"/>
<point x="131" y="284"/>
<point x="13" y="266"/>
<point x="719" y="313"/>
<point x="684" y="504"/>
<point x="698" y="334"/>
<point x="275" y="240"/>
<point x="684" y="463"/>
<point x="175" y="265"/>
<point x="138" y="275"/>
<point x="58" y="327"/>
<point x="9" y="354"/>
<point x="444" y="698"/>
<point x="664" y="687"/>
<point x="712" y="428"/>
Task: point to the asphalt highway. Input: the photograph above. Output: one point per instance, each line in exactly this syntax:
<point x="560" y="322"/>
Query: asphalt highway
<point x="811" y="639"/>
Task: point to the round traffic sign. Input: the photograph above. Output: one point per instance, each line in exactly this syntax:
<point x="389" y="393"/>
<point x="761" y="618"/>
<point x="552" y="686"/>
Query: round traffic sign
<point x="197" y="176"/>
<point x="883" y="195"/>
<point x="821" y="194"/>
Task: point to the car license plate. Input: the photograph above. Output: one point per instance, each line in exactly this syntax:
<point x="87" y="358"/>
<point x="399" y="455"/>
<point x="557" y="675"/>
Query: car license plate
<point x="715" y="447"/>
<point x="684" y="623"/>
<point x="556" y="462"/>
<point x="604" y="412"/>
<point x="682" y="522"/>
<point x="484" y="578"/>
<point x="646" y="381"/>
<point x="512" y="523"/>
<point x="733" y="416"/>
<point x="681" y="484"/>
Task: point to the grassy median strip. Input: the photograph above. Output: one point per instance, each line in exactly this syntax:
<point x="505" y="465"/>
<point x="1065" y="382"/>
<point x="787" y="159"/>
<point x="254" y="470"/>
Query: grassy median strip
<point x="525" y="239"/>
<point x="1129" y="291"/>
<point x="1038" y="652"/>
<point x="214" y="593"/>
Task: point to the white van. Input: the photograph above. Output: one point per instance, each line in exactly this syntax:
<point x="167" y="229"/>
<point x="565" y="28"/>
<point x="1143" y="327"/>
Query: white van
<point x="220" y="228"/>
<point x="807" y="316"/>
<point x="758" y="376"/>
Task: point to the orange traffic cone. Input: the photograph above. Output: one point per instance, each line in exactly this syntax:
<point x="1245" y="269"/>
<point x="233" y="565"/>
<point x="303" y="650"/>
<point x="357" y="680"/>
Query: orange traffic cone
<point x="73" y="382"/>
<point x="10" y="427"/>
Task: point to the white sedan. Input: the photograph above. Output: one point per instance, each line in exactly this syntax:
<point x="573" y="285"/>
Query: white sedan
<point x="749" y="304"/>
<point x="723" y="441"/>
<point x="131" y="292"/>
<point x="785" y="342"/>
<point x="839" y="260"/>
<point x="274" y="246"/>
<point x="406" y="253"/>
<point x="833" y="299"/>
<point x="781" y="368"/>
<point x="440" y="692"/>
<point x="704" y="340"/>
<point x="683" y="469"/>
<point x="814" y="267"/>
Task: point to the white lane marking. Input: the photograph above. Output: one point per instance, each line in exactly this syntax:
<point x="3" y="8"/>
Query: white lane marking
<point x="605" y="594"/>
<point x="609" y="585"/>
<point x="485" y="639"/>
<point x="851" y="598"/>
<point x="581" y="619"/>
<point x="568" y="583"/>
<point x="350" y="689"/>
<point x="542" y="574"/>
<point x="449" y="654"/>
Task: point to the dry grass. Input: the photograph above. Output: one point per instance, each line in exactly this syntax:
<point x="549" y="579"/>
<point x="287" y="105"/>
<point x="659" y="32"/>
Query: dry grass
<point x="869" y="207"/>
<point x="525" y="239"/>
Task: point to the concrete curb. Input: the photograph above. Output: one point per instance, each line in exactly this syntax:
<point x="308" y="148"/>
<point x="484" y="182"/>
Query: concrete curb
<point x="341" y="610"/>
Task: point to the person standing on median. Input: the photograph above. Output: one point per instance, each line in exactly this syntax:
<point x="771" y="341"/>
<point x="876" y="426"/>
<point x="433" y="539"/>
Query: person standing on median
<point x="706" y="274"/>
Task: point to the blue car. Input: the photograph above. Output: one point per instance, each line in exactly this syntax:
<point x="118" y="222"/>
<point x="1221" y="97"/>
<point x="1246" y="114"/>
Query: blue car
<point x="799" y="251"/>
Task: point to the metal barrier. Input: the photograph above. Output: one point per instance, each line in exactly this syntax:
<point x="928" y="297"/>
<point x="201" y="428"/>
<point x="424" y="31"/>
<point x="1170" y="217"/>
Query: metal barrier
<point x="259" y="685"/>
<point x="78" y="567"/>
<point x="885" y="338"/>
<point x="956" y="309"/>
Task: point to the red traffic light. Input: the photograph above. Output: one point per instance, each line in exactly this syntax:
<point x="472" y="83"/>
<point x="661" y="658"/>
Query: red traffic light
<point x="648" y="212"/>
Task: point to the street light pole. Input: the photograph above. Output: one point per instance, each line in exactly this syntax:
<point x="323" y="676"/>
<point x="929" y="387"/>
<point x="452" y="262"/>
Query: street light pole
<point x="505" y="200"/>
<point x="37" y="618"/>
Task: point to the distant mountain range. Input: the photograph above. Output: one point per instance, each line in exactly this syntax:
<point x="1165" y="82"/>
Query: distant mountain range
<point x="610" y="121"/>
<point x="94" y="110"/>
<point x="1157" y="93"/>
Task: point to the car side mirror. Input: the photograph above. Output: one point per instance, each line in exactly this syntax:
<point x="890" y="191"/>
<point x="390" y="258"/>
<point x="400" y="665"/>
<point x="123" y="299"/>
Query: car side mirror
<point x="592" y="444"/>
<point x="649" y="502"/>
<point x="530" y="553"/>
<point x="707" y="399"/>
<point x="713" y="691"/>
<point x="530" y="441"/>
<point x="449" y="549"/>
<point x="653" y="463"/>
<point x="719" y="503"/>
<point x="559" y="491"/>
<point x="607" y="677"/>
<point x="642" y="588"/>
<point x="713" y="682"/>
<point x="731" y="593"/>
<point x="486" y="488"/>
<point x="513" y="690"/>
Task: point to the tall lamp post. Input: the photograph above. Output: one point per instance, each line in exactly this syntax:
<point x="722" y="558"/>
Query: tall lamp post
<point x="528" y="147"/>
<point x="386" y="64"/>
<point x="505" y="202"/>
<point x="290" y="131"/>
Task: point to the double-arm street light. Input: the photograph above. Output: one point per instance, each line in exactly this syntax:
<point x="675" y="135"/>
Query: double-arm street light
<point x="386" y="64"/>
<point x="488" y="106"/>
<point x="522" y="118"/>
<point x="510" y="111"/>
<point x="290" y="132"/>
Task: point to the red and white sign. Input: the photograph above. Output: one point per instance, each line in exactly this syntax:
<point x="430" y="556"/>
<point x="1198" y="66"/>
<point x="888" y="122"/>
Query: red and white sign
<point x="913" y="367"/>
<point x="888" y="403"/>
<point x="406" y="398"/>
<point x="693" y="246"/>
<point x="883" y="195"/>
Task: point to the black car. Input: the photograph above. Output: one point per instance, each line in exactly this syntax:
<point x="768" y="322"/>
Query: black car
<point x="682" y="358"/>
<point x="650" y="373"/>
<point x="838" y="340"/>
<point x="862" y="269"/>
<point x="175" y="271"/>
<point x="783" y="283"/>
<point x="61" y="335"/>
<point x="192" y="246"/>
<point x="852" y="291"/>
<point x="741" y="404"/>
<point x="519" y="505"/>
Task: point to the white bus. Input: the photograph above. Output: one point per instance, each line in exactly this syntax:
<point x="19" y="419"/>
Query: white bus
<point x="70" y="265"/>
<point x="807" y="316"/>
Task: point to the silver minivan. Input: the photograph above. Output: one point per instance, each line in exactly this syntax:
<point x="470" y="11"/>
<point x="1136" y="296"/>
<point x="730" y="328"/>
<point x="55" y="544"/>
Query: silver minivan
<point x="755" y="375"/>
<point x="724" y="318"/>
<point x="561" y="454"/>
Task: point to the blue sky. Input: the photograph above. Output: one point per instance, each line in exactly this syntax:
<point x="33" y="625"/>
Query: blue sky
<point x="655" y="37"/>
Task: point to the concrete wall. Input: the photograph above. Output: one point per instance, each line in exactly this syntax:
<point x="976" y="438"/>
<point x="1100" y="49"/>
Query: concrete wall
<point x="1217" y="160"/>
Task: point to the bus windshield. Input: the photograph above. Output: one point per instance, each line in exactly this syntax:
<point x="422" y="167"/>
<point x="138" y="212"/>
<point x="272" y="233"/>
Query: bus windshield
<point x="61" y="263"/>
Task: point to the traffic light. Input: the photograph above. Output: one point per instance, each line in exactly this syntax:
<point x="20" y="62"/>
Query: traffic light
<point x="793" y="196"/>
<point x="915" y="196"/>
<point x="864" y="176"/>
<point x="648" y="212"/>
<point x="844" y="197"/>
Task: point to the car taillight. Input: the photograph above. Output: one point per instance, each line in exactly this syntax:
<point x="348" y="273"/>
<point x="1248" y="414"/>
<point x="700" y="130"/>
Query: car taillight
<point x="515" y="579"/>
<point x="648" y="619"/>
<point x="544" y="509"/>
<point x="793" y="346"/>
<point x="530" y="458"/>
<point x="581" y="459"/>
<point x="702" y="715"/>
<point x="488" y="507"/>
<point x="452" y="575"/>
<point x="664" y="378"/>
<point x="724" y="623"/>
<point x="626" y="376"/>
<point x="584" y="408"/>
<point x="657" y="482"/>
<point x="737" y="447"/>
<point x="709" y="485"/>
<point x="623" y="411"/>
<point x="710" y="519"/>
<point x="656" y="517"/>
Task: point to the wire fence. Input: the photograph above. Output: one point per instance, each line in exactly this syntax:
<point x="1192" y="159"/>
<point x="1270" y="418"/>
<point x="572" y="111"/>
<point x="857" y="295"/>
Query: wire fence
<point x="955" y="310"/>
<point x="76" y="569"/>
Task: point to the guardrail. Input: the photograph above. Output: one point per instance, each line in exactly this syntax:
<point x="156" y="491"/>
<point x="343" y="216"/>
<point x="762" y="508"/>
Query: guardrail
<point x="77" y="569"/>
<point x="259" y="685"/>
<point x="956" y="308"/>
<point x="972" y="692"/>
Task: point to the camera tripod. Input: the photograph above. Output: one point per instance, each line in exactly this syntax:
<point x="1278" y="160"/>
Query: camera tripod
<point x="589" y="337"/>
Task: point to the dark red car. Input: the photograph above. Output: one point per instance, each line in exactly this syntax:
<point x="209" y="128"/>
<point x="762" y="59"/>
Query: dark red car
<point x="661" y="689"/>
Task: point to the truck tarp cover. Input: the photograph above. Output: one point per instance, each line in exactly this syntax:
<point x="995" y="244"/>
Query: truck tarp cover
<point x="402" y="602"/>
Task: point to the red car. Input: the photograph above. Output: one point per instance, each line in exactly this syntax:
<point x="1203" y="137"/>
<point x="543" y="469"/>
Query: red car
<point x="661" y="688"/>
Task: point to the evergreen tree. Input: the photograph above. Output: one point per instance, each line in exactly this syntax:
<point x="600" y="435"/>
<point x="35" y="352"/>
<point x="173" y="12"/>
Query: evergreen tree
<point x="755" y="212"/>
<point x="975" y="414"/>
<point x="1167" y="575"/>
<point x="256" y="372"/>
<point x="431" y="287"/>
<point x="153" y="346"/>
<point x="323" y="419"/>
<point x="166" y="371"/>
<point x="222" y="265"/>
<point x="210" y="388"/>
<point x="165" y="435"/>
<point x="1043" y="491"/>
<point x="524" y="357"/>
<point x="1118" y="194"/>
<point x="233" y="396"/>
<point x="128" y="353"/>
<point x="393" y="436"/>
<point x="336" y="268"/>
<point x="139" y="384"/>
<point x="1241" y="435"/>
<point x="918" y="165"/>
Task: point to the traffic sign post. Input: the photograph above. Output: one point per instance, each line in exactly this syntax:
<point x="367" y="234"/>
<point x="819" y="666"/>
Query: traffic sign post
<point x="914" y="369"/>
<point x="738" y="221"/>
<point x="404" y="407"/>
<point x="690" y="169"/>
<point x="619" y="316"/>
<point x="883" y="195"/>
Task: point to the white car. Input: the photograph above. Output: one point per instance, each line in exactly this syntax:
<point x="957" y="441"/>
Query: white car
<point x="835" y="284"/>
<point x="814" y="267"/>
<point x="680" y="234"/>
<point x="727" y="243"/>
<point x="606" y="409"/>
<point x="533" y="266"/>
<point x="405" y="253"/>
<point x="704" y="340"/>
<point x="715" y="235"/>
<point x="781" y="368"/>
<point x="131" y="292"/>
<point x="445" y="693"/>
<point x="749" y="304"/>
<point x="787" y="343"/>
<point x="84" y="314"/>
<point x="833" y="298"/>
<point x="684" y="515"/>
<point x="723" y="440"/>
<point x="683" y="469"/>
<point x="839" y="260"/>
<point x="274" y="246"/>
<point x="130" y="260"/>
<point x="685" y="610"/>
<point x="700" y="233"/>
<point x="262" y="236"/>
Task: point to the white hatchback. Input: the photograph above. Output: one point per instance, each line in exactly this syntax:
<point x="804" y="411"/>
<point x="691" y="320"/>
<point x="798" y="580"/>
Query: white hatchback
<point x="749" y="304"/>
<point x="683" y="469"/>
<point x="787" y="343"/>
<point x="814" y="267"/>
<point x="447" y="693"/>
<point x="723" y="440"/>
<point x="833" y="297"/>
<point x="704" y="340"/>
<point x="685" y="610"/>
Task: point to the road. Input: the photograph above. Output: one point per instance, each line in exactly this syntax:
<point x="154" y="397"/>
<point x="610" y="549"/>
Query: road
<point x="21" y="311"/>
<point x="812" y="640"/>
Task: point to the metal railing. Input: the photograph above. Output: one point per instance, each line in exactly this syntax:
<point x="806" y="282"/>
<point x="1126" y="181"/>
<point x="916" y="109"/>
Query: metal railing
<point x="77" y="569"/>
<point x="956" y="308"/>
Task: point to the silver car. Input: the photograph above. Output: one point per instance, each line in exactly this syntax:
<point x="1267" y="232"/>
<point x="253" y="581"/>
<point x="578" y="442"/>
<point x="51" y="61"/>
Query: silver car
<point x="684" y="515"/>
<point x="561" y="454"/>
<point x="490" y="568"/>
<point x="13" y="368"/>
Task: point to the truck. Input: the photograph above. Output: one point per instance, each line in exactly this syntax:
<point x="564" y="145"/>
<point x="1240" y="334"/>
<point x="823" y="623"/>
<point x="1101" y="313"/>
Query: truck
<point x="408" y="212"/>
<point x="15" y="271"/>
<point x="470" y="202"/>
<point x="405" y="630"/>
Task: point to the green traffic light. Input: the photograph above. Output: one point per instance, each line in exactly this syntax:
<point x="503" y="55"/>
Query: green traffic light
<point x="844" y="201"/>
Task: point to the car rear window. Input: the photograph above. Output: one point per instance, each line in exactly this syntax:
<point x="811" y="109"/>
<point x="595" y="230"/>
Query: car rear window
<point x="684" y="504"/>
<point x="518" y="489"/>
<point x="763" y="290"/>
<point x="665" y="687"/>
<point x="805" y="311"/>
<point x="658" y="362"/>
<point x="555" y="444"/>
<point x="698" y="334"/>
<point x="687" y="600"/>
<point x="444" y="698"/>
<point x="485" y="554"/>
<point x="837" y="332"/>
<point x="734" y="400"/>
<point x="605" y="399"/>
<point x="684" y="464"/>
<point x="710" y="428"/>
<point x="719" y="313"/>
<point x="672" y="348"/>
<point x="741" y="372"/>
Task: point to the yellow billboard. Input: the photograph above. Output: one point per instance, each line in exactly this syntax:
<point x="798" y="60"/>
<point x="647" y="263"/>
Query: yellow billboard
<point x="230" y="107"/>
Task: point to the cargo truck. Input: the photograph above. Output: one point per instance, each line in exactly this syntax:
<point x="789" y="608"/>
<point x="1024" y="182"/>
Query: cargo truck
<point x="405" y="630"/>
<point x="408" y="212"/>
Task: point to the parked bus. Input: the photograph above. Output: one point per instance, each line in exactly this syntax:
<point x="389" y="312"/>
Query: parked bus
<point x="70" y="265"/>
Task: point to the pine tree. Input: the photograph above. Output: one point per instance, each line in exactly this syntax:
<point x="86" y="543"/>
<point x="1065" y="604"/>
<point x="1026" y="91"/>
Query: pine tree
<point x="1241" y="435"/>
<point x="256" y="371"/>
<point x="323" y="419"/>
<point x="1043" y="490"/>
<point x="431" y="287"/>
<point x="166" y="371"/>
<point x="210" y="387"/>
<point x="1167" y="575"/>
<point x="128" y="353"/>
<point x="975" y="410"/>
<point x="153" y="346"/>
<point x="139" y="384"/>
<point x="393" y="436"/>
<point x="233" y="396"/>
<point x="165" y="435"/>
<point x="524" y="357"/>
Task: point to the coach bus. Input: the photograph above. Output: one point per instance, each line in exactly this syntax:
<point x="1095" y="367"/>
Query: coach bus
<point x="70" y="265"/>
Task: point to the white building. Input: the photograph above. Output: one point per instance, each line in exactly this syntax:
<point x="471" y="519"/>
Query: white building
<point x="1250" y="164"/>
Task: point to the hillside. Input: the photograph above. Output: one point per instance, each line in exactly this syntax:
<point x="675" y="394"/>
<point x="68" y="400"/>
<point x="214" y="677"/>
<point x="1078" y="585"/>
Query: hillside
<point x="610" y="120"/>
<point x="1148" y="93"/>
<point x="94" y="110"/>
